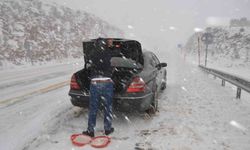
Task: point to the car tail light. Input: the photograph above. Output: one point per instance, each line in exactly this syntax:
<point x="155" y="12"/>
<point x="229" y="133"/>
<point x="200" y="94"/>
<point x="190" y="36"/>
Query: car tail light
<point x="137" y="85"/>
<point x="73" y="84"/>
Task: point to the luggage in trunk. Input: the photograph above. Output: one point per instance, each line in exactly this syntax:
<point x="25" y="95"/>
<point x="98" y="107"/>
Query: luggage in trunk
<point x="127" y="56"/>
<point x="121" y="78"/>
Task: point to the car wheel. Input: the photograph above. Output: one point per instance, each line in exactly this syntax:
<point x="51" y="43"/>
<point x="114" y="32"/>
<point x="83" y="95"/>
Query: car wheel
<point x="155" y="101"/>
<point x="164" y="84"/>
<point x="154" y="105"/>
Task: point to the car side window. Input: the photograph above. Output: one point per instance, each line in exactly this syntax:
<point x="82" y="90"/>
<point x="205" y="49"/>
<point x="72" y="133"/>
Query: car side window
<point x="155" y="59"/>
<point x="152" y="61"/>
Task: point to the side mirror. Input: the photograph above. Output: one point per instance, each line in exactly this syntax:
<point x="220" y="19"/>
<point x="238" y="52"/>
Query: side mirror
<point x="160" y="65"/>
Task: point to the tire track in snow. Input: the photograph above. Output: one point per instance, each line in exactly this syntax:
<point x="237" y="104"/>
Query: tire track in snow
<point x="14" y="100"/>
<point x="29" y="119"/>
<point x="33" y="80"/>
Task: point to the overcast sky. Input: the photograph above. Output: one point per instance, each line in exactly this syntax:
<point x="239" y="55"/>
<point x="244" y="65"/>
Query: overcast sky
<point x="162" y="21"/>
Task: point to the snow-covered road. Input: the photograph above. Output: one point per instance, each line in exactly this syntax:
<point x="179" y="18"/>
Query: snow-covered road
<point x="195" y="113"/>
<point x="18" y="84"/>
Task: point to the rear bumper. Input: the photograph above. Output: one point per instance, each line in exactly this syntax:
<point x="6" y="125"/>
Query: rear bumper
<point x="121" y="102"/>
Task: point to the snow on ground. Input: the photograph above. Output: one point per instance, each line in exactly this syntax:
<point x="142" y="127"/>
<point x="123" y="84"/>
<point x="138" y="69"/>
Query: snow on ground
<point x="9" y="67"/>
<point x="233" y="67"/>
<point x="241" y="71"/>
<point x="29" y="79"/>
<point x="195" y="113"/>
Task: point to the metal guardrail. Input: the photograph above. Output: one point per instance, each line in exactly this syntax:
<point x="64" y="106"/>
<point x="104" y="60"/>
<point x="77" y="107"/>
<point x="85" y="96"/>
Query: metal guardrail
<point x="239" y="82"/>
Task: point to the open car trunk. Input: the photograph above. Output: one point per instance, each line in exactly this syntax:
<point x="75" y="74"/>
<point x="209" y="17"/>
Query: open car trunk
<point x="127" y="60"/>
<point x="121" y="78"/>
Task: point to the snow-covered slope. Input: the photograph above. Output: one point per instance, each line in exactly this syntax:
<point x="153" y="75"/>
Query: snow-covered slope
<point x="32" y="31"/>
<point x="230" y="47"/>
<point x="229" y="52"/>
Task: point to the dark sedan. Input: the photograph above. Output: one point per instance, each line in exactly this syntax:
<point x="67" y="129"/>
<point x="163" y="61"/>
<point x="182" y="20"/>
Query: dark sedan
<point x="138" y="77"/>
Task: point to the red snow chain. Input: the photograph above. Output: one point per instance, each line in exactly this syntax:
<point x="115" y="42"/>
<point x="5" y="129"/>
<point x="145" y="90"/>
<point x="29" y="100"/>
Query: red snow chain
<point x="96" y="142"/>
<point x="80" y="139"/>
<point x="100" y="141"/>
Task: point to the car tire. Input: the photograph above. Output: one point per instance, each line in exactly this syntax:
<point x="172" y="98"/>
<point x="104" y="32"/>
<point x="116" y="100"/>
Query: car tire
<point x="154" y="105"/>
<point x="155" y="101"/>
<point x="164" y="84"/>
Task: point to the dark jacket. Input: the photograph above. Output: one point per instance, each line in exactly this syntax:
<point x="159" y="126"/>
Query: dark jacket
<point x="100" y="61"/>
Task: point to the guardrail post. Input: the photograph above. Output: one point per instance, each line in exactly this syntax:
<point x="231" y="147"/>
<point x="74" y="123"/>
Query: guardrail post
<point x="238" y="93"/>
<point x="240" y="83"/>
<point x="206" y="56"/>
<point x="223" y="82"/>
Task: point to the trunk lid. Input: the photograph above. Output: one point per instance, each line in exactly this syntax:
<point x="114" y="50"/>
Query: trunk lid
<point x="129" y="49"/>
<point x="127" y="59"/>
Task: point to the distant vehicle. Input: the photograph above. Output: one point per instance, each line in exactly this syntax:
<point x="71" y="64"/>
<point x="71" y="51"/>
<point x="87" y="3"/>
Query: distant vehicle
<point x="138" y="77"/>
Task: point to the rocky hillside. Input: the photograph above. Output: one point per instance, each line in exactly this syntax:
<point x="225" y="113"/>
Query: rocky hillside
<point x="34" y="32"/>
<point x="230" y="45"/>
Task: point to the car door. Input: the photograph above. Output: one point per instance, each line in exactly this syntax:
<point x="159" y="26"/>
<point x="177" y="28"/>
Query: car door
<point x="159" y="72"/>
<point x="149" y="71"/>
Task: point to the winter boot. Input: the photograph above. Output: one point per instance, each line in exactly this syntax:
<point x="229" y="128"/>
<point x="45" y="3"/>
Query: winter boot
<point x="91" y="134"/>
<point x="107" y="132"/>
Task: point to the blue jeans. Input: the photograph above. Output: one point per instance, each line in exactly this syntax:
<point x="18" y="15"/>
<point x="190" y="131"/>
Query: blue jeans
<point x="100" y="93"/>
